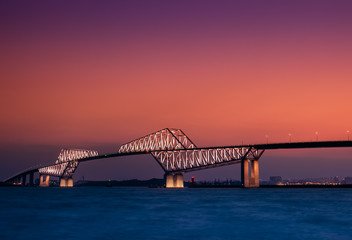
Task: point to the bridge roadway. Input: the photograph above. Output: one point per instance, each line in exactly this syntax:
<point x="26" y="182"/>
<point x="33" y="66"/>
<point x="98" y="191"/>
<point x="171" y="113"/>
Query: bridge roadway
<point x="246" y="179"/>
<point x="267" y="146"/>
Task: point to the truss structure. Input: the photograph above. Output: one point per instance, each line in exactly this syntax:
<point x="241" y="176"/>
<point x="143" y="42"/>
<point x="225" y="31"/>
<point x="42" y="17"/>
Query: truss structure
<point x="66" y="163"/>
<point x="171" y="148"/>
<point x="195" y="159"/>
<point x="175" y="152"/>
<point x="166" y="139"/>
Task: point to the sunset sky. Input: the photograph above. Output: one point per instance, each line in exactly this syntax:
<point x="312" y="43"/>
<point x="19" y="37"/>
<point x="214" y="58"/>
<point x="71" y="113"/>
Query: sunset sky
<point x="96" y="74"/>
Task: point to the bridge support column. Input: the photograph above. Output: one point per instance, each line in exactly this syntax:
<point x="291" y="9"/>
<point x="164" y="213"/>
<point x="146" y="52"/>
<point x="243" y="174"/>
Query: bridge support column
<point x="70" y="182"/>
<point x="42" y="182"/>
<point x="31" y="182"/>
<point x="66" y="182"/>
<point x="18" y="181"/>
<point x="174" y="180"/>
<point x="254" y="173"/>
<point x="63" y="182"/>
<point x="24" y="176"/>
<point x="250" y="179"/>
<point x="244" y="173"/>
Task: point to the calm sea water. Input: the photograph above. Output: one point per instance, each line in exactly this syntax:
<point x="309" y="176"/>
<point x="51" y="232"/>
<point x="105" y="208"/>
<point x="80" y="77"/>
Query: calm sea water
<point x="144" y="213"/>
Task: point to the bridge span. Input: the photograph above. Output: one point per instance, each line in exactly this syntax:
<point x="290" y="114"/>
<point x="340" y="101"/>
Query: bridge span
<point x="175" y="153"/>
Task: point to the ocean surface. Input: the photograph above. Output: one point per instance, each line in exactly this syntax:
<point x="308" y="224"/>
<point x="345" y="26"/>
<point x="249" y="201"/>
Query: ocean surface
<point x="149" y="213"/>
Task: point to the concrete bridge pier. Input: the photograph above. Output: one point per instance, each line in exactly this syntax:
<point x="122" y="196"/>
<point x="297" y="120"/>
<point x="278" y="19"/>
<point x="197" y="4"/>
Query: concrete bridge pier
<point x="18" y="180"/>
<point x="66" y="182"/>
<point x="250" y="176"/>
<point x="24" y="178"/>
<point x="44" y="182"/>
<point x="174" y="180"/>
<point x="31" y="177"/>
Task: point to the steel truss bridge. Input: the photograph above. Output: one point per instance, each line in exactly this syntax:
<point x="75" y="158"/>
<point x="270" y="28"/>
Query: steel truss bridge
<point x="175" y="153"/>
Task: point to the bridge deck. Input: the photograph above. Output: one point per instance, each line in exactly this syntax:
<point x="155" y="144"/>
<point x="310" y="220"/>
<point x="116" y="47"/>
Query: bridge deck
<point x="268" y="146"/>
<point x="292" y="145"/>
<point x="326" y="144"/>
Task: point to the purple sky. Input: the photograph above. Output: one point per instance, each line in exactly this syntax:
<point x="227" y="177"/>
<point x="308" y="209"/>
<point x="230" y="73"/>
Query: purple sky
<point x="96" y="74"/>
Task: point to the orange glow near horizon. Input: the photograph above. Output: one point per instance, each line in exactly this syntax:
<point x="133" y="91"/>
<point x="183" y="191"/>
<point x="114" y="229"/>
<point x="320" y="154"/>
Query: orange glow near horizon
<point x="221" y="83"/>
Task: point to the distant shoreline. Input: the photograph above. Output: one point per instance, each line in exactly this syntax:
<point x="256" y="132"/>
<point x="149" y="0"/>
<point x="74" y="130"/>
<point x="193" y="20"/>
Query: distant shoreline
<point x="275" y="186"/>
<point x="158" y="183"/>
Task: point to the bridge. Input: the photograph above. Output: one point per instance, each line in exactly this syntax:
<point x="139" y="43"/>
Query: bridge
<point x="175" y="153"/>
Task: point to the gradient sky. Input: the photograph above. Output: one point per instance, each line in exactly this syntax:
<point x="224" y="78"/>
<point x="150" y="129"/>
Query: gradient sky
<point x="100" y="73"/>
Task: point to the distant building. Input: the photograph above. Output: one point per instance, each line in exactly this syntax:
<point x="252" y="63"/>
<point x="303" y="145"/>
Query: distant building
<point x="274" y="180"/>
<point x="336" y="179"/>
<point x="347" y="180"/>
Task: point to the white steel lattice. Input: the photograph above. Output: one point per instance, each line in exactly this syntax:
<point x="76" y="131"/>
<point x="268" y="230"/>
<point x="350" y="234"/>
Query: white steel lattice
<point x="166" y="139"/>
<point x="194" y="159"/>
<point x="65" y="164"/>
